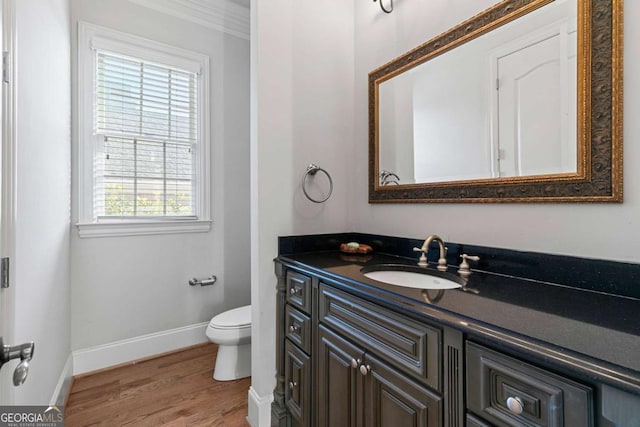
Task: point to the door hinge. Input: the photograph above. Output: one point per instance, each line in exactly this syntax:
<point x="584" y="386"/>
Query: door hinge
<point x="4" y="273"/>
<point x="5" y="66"/>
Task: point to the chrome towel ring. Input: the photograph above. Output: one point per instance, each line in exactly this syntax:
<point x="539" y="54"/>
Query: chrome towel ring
<point x="312" y="170"/>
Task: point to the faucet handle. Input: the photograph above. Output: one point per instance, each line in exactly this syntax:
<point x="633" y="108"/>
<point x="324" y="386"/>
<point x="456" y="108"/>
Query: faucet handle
<point x="422" y="262"/>
<point x="442" y="262"/>
<point x="463" y="268"/>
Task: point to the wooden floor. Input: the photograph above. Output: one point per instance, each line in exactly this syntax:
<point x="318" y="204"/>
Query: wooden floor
<point x="173" y="390"/>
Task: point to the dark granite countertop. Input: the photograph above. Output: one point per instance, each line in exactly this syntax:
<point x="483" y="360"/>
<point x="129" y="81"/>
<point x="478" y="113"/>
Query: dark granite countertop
<point x="592" y="332"/>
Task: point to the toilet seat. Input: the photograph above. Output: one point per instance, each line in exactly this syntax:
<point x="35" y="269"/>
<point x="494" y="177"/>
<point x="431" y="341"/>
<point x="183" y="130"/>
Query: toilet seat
<point x="231" y="331"/>
<point x="238" y="318"/>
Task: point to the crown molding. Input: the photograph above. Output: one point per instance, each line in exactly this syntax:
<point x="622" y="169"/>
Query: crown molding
<point x="227" y="16"/>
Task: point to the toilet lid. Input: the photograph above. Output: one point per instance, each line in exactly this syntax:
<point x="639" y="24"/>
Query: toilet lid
<point x="236" y="318"/>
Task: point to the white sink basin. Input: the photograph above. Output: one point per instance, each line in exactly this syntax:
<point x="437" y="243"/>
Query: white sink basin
<point x="411" y="279"/>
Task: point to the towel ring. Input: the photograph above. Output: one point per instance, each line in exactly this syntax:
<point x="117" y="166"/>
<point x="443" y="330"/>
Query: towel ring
<point x="311" y="171"/>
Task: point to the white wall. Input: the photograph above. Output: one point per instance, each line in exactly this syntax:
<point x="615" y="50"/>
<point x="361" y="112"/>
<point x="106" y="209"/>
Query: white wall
<point x="302" y="112"/>
<point x="590" y="230"/>
<point x="446" y="95"/>
<point x="126" y="287"/>
<point x="396" y="128"/>
<point x="41" y="266"/>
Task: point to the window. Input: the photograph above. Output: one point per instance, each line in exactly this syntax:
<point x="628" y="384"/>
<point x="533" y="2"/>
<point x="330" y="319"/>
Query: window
<point x="143" y="139"/>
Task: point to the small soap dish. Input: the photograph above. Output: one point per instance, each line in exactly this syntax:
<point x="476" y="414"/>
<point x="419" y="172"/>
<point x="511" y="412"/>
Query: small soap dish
<point x="355" y="248"/>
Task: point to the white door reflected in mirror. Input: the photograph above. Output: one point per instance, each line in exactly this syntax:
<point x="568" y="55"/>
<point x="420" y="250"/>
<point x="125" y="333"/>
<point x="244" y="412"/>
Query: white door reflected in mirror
<point x="502" y="105"/>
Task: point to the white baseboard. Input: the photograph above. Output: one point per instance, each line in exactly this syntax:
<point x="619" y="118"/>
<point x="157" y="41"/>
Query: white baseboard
<point x="115" y="353"/>
<point x="259" y="409"/>
<point x="64" y="384"/>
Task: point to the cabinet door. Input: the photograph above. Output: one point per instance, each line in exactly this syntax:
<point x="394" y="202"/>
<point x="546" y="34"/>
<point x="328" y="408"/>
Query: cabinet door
<point x="339" y="383"/>
<point x="297" y="378"/>
<point x="392" y="399"/>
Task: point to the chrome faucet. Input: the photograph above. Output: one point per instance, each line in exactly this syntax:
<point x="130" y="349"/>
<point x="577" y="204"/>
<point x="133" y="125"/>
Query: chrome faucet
<point x="388" y="178"/>
<point x="442" y="260"/>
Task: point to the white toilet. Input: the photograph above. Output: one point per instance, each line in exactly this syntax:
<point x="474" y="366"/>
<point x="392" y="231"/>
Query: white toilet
<point x="231" y="330"/>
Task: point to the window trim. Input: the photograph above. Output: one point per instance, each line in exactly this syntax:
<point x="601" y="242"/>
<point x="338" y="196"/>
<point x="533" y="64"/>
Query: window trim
<point x="90" y="38"/>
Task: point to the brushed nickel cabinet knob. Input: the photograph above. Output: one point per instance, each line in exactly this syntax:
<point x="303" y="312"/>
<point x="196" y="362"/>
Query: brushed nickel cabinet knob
<point x="365" y="369"/>
<point x="515" y="405"/>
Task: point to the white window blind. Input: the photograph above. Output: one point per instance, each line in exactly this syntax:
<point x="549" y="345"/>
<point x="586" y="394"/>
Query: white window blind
<point x="146" y="122"/>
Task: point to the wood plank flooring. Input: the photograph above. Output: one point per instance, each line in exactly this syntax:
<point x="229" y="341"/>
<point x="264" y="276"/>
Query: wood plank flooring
<point x="174" y="390"/>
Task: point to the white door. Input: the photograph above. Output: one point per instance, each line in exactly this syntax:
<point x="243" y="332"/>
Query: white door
<point x="5" y="294"/>
<point x="536" y="107"/>
<point x="7" y="194"/>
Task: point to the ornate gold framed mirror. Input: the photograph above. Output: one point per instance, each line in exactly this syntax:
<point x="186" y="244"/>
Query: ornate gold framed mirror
<point x="521" y="103"/>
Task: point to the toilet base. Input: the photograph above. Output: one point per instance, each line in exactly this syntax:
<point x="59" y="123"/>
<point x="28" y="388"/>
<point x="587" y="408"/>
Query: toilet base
<point x="232" y="362"/>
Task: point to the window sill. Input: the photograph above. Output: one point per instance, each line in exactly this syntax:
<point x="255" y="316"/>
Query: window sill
<point x="122" y="229"/>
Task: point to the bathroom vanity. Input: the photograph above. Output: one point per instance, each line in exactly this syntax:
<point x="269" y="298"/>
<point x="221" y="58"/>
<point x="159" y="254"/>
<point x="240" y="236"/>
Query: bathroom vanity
<point x="499" y="351"/>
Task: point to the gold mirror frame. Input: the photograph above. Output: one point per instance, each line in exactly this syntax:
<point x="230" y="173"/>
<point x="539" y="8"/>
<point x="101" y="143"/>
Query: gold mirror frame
<point x="599" y="175"/>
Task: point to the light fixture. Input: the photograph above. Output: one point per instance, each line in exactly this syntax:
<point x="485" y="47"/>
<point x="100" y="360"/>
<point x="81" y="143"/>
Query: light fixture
<point x="384" y="9"/>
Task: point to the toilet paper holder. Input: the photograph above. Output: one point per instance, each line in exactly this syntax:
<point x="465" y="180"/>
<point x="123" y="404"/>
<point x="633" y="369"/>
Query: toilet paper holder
<point x="203" y="282"/>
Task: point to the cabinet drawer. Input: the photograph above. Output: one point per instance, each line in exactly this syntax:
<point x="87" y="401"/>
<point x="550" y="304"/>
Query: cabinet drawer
<point x="298" y="328"/>
<point x="537" y="397"/>
<point x="410" y="346"/>
<point x="297" y="377"/>
<point x="299" y="291"/>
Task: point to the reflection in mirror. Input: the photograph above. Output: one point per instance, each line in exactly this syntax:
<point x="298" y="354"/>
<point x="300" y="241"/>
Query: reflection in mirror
<point x="520" y="103"/>
<point x="501" y="105"/>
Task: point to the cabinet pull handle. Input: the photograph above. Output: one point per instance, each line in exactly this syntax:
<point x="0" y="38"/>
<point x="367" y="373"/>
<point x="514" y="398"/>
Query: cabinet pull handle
<point x="293" y="328"/>
<point x="292" y="385"/>
<point x="294" y="290"/>
<point x="355" y="363"/>
<point x="365" y="369"/>
<point x="515" y="405"/>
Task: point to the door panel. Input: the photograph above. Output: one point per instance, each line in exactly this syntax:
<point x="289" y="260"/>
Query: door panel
<point x="297" y="394"/>
<point x="392" y="399"/>
<point x="339" y="384"/>
<point x="6" y="295"/>
<point x="536" y="115"/>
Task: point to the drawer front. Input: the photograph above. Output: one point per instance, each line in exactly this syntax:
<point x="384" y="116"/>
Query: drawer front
<point x="298" y="328"/>
<point x="299" y="291"/>
<point x="410" y="346"/>
<point x="508" y="392"/>
<point x="297" y="377"/>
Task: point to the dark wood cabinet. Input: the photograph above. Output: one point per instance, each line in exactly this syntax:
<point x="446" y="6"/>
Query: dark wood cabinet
<point x="346" y="360"/>
<point x="298" y="384"/>
<point x="392" y="399"/>
<point x="298" y="328"/>
<point x="356" y="388"/>
<point x="339" y="381"/>
<point x="411" y="346"/>
<point x="508" y="392"/>
<point x="293" y="404"/>
<point x="375" y="367"/>
<point x="298" y="291"/>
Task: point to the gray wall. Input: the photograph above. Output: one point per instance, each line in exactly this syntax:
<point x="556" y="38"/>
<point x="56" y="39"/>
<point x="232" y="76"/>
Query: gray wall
<point x="126" y="287"/>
